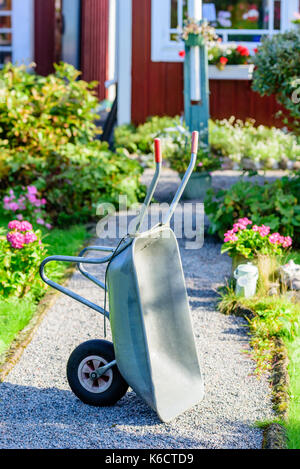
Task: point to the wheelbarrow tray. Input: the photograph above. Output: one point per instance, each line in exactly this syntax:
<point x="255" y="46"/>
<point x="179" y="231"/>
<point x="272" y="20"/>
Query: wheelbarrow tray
<point x="151" y="323"/>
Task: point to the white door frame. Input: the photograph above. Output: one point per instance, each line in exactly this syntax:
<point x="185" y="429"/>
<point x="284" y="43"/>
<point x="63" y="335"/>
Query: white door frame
<point x="124" y="53"/>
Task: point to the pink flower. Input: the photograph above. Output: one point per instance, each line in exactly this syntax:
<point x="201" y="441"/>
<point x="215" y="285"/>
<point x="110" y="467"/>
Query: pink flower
<point x="241" y="224"/>
<point x="20" y="216"/>
<point x="32" y="190"/>
<point x="264" y="230"/>
<point x="26" y="226"/>
<point x="16" y="239"/>
<point x="14" y="225"/>
<point x="40" y="221"/>
<point x="275" y="238"/>
<point x="13" y="206"/>
<point x="287" y="241"/>
<point x="30" y="237"/>
<point x="32" y="198"/>
<point x="200" y="164"/>
<point x="245" y="221"/>
<point x="48" y="226"/>
<point x="230" y="236"/>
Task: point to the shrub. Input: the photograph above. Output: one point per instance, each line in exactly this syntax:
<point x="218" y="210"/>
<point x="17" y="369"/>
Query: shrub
<point x="21" y="252"/>
<point x="26" y="203"/>
<point x="251" y="147"/>
<point x="277" y="71"/>
<point x="41" y="112"/>
<point x="76" y="178"/>
<point x="140" y="139"/>
<point x="181" y="157"/>
<point x="47" y="133"/>
<point x="246" y="146"/>
<point x="274" y="204"/>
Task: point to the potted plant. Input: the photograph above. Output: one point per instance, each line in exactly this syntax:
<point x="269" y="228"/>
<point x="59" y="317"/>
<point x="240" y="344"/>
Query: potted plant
<point x="196" y="33"/>
<point x="247" y="242"/>
<point x="200" y="180"/>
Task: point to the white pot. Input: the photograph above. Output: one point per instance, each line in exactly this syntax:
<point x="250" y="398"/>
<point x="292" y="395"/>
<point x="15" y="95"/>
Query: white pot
<point x="246" y="276"/>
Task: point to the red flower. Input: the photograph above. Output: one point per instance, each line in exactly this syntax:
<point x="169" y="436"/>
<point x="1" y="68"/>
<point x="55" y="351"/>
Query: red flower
<point x="255" y="50"/>
<point x="223" y="60"/>
<point x="244" y="51"/>
<point x="181" y="53"/>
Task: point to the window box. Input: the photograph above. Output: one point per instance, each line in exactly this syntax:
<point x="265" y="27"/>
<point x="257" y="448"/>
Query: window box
<point x="231" y="72"/>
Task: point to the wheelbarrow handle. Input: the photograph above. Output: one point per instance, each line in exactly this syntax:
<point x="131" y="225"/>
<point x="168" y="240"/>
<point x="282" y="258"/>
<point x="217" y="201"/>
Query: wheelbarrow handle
<point x="84" y="272"/>
<point x="67" y="291"/>
<point x="185" y="179"/>
<point x="152" y="187"/>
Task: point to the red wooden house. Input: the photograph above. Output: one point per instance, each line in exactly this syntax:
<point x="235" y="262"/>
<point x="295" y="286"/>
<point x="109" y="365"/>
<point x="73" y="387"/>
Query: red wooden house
<point x="134" y="42"/>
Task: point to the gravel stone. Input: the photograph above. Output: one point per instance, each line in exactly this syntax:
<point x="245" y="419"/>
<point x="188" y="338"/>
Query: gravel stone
<point x="38" y="410"/>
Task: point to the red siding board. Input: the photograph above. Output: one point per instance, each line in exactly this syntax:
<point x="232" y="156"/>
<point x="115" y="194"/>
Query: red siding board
<point x="44" y="35"/>
<point x="94" y="43"/>
<point x="157" y="87"/>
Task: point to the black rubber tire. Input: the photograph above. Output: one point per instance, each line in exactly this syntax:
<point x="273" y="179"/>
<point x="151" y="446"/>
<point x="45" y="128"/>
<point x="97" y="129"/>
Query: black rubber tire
<point x="118" y="387"/>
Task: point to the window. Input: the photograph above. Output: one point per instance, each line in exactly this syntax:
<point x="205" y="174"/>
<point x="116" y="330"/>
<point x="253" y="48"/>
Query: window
<point x="16" y="31"/>
<point x="5" y="31"/>
<point x="242" y="21"/>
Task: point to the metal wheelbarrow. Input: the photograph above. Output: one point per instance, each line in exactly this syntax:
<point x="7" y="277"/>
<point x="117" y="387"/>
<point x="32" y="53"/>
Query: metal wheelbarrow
<point x="153" y="348"/>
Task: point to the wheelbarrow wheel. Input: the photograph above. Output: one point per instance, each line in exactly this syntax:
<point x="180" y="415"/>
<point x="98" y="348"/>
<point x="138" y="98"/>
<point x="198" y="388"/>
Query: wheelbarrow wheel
<point x="85" y="359"/>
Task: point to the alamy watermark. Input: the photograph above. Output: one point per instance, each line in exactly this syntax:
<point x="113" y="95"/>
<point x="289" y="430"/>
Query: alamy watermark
<point x="187" y="221"/>
<point x="296" y="92"/>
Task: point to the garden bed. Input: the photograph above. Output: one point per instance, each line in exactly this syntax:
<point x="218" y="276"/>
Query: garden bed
<point x="17" y="312"/>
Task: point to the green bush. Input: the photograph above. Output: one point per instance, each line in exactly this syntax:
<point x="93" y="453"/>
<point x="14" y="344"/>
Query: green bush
<point x="277" y="71"/>
<point x="40" y="112"/>
<point x="274" y="204"/>
<point x="246" y="146"/>
<point x="76" y="178"/>
<point x="140" y="139"/>
<point x="47" y="133"/>
<point x="181" y="157"/>
<point x="251" y="147"/>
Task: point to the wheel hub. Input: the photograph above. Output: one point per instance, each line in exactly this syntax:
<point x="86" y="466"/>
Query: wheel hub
<point x="88" y="377"/>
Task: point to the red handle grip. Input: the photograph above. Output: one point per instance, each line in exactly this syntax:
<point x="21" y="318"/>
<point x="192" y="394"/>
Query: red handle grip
<point x="195" y="141"/>
<point x="157" y="150"/>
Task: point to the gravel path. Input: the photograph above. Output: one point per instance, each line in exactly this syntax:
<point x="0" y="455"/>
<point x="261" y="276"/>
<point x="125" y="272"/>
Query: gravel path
<point x="38" y="410"/>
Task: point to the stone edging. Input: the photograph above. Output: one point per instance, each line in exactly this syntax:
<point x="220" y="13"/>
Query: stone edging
<point x="274" y="435"/>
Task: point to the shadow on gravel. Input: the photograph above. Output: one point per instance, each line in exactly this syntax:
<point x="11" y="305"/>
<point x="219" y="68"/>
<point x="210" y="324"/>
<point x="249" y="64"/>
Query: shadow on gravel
<point x="54" y="418"/>
<point x="58" y="405"/>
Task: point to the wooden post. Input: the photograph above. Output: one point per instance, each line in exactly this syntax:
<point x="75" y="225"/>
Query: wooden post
<point x="196" y="88"/>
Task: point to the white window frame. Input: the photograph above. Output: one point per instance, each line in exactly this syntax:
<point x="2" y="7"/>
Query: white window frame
<point x="165" y="50"/>
<point x="21" y="30"/>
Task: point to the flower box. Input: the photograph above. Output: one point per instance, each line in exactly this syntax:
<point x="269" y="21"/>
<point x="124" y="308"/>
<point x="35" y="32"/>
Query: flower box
<point x="231" y="72"/>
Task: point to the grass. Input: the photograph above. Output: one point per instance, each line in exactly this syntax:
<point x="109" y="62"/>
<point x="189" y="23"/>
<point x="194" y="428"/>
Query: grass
<point x="272" y="318"/>
<point x="15" y="314"/>
<point x="293" y="422"/>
